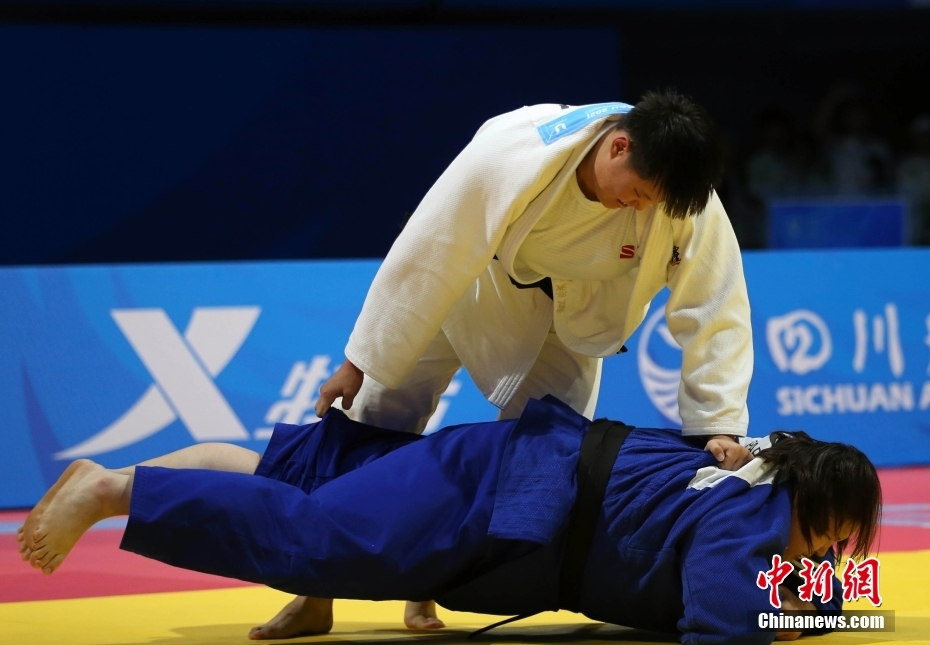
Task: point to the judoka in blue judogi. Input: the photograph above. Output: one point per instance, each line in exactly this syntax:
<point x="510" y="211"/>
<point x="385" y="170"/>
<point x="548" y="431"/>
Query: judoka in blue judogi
<point x="480" y="517"/>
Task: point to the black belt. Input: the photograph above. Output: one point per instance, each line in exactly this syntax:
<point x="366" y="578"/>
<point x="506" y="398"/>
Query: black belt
<point x="544" y="285"/>
<point x="599" y="449"/>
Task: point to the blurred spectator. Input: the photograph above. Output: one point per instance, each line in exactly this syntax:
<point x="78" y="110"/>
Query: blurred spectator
<point x="772" y="169"/>
<point x="913" y="178"/>
<point x="787" y="162"/>
<point x="747" y="213"/>
<point x="860" y="161"/>
<point x="814" y="176"/>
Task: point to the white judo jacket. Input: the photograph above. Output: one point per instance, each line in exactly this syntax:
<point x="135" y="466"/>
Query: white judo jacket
<point x="441" y="274"/>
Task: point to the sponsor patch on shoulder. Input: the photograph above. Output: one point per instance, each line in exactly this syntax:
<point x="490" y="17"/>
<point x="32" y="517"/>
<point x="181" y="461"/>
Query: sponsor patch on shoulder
<point x="576" y="119"/>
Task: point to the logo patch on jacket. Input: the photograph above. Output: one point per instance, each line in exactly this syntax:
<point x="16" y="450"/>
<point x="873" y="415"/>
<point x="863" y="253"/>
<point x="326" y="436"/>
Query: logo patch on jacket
<point x="627" y="251"/>
<point x="574" y="120"/>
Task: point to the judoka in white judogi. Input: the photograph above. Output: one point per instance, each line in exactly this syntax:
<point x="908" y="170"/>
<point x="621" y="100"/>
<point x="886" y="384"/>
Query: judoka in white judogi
<point x="510" y="206"/>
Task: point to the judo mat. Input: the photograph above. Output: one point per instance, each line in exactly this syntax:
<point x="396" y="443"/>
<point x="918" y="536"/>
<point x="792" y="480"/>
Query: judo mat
<point x="104" y="596"/>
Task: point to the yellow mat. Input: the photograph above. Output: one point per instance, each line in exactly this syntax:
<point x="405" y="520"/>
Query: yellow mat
<point x="225" y="616"/>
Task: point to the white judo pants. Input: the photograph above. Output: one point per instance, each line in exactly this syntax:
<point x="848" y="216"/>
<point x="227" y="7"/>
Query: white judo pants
<point x="569" y="376"/>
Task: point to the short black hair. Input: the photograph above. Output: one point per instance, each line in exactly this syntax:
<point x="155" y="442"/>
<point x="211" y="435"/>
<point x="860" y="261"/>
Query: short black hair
<point x="832" y="484"/>
<point x="675" y="145"/>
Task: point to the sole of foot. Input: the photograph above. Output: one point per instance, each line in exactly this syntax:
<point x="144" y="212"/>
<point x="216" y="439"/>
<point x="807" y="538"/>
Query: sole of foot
<point x="27" y="530"/>
<point x="88" y="496"/>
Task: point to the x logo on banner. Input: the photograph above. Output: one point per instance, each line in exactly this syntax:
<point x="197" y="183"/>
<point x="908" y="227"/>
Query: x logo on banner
<point x="183" y="369"/>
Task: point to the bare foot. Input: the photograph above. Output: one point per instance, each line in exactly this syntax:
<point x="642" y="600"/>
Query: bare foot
<point x="422" y="615"/>
<point x="23" y="549"/>
<point x="303" y="616"/>
<point x="27" y="530"/>
<point x="90" y="494"/>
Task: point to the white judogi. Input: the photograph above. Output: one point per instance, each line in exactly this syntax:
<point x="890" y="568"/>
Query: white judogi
<point x="440" y="299"/>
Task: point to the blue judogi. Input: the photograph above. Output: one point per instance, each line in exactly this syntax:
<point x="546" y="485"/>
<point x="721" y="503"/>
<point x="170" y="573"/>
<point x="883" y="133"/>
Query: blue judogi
<point x="474" y="517"/>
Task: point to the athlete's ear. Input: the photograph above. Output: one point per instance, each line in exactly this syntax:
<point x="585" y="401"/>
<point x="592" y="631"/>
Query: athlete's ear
<point x="619" y="143"/>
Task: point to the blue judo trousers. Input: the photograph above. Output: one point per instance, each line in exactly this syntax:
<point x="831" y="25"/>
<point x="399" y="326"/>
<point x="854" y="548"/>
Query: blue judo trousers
<point x="474" y="516"/>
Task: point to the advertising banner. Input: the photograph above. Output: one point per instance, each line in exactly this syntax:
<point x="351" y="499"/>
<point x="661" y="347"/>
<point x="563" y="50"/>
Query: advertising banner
<point x="123" y="363"/>
<point x="842" y="348"/>
<point x="842" y="351"/>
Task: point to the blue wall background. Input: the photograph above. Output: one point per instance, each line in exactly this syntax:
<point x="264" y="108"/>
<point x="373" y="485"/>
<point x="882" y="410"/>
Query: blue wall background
<point x="842" y="344"/>
<point x="169" y="143"/>
<point x="165" y="131"/>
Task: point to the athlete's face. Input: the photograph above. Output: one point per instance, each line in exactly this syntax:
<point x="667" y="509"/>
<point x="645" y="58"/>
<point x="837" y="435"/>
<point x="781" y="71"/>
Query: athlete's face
<point x="798" y="545"/>
<point x="611" y="178"/>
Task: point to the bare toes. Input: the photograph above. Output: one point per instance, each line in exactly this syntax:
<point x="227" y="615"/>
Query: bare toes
<point x="52" y="565"/>
<point x="424" y="622"/>
<point x="38" y="536"/>
<point x="265" y="632"/>
<point x="39" y="556"/>
<point x="258" y="634"/>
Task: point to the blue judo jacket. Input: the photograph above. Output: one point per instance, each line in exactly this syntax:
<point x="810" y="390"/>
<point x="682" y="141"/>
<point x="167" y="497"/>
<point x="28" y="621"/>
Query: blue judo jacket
<point x="474" y="516"/>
